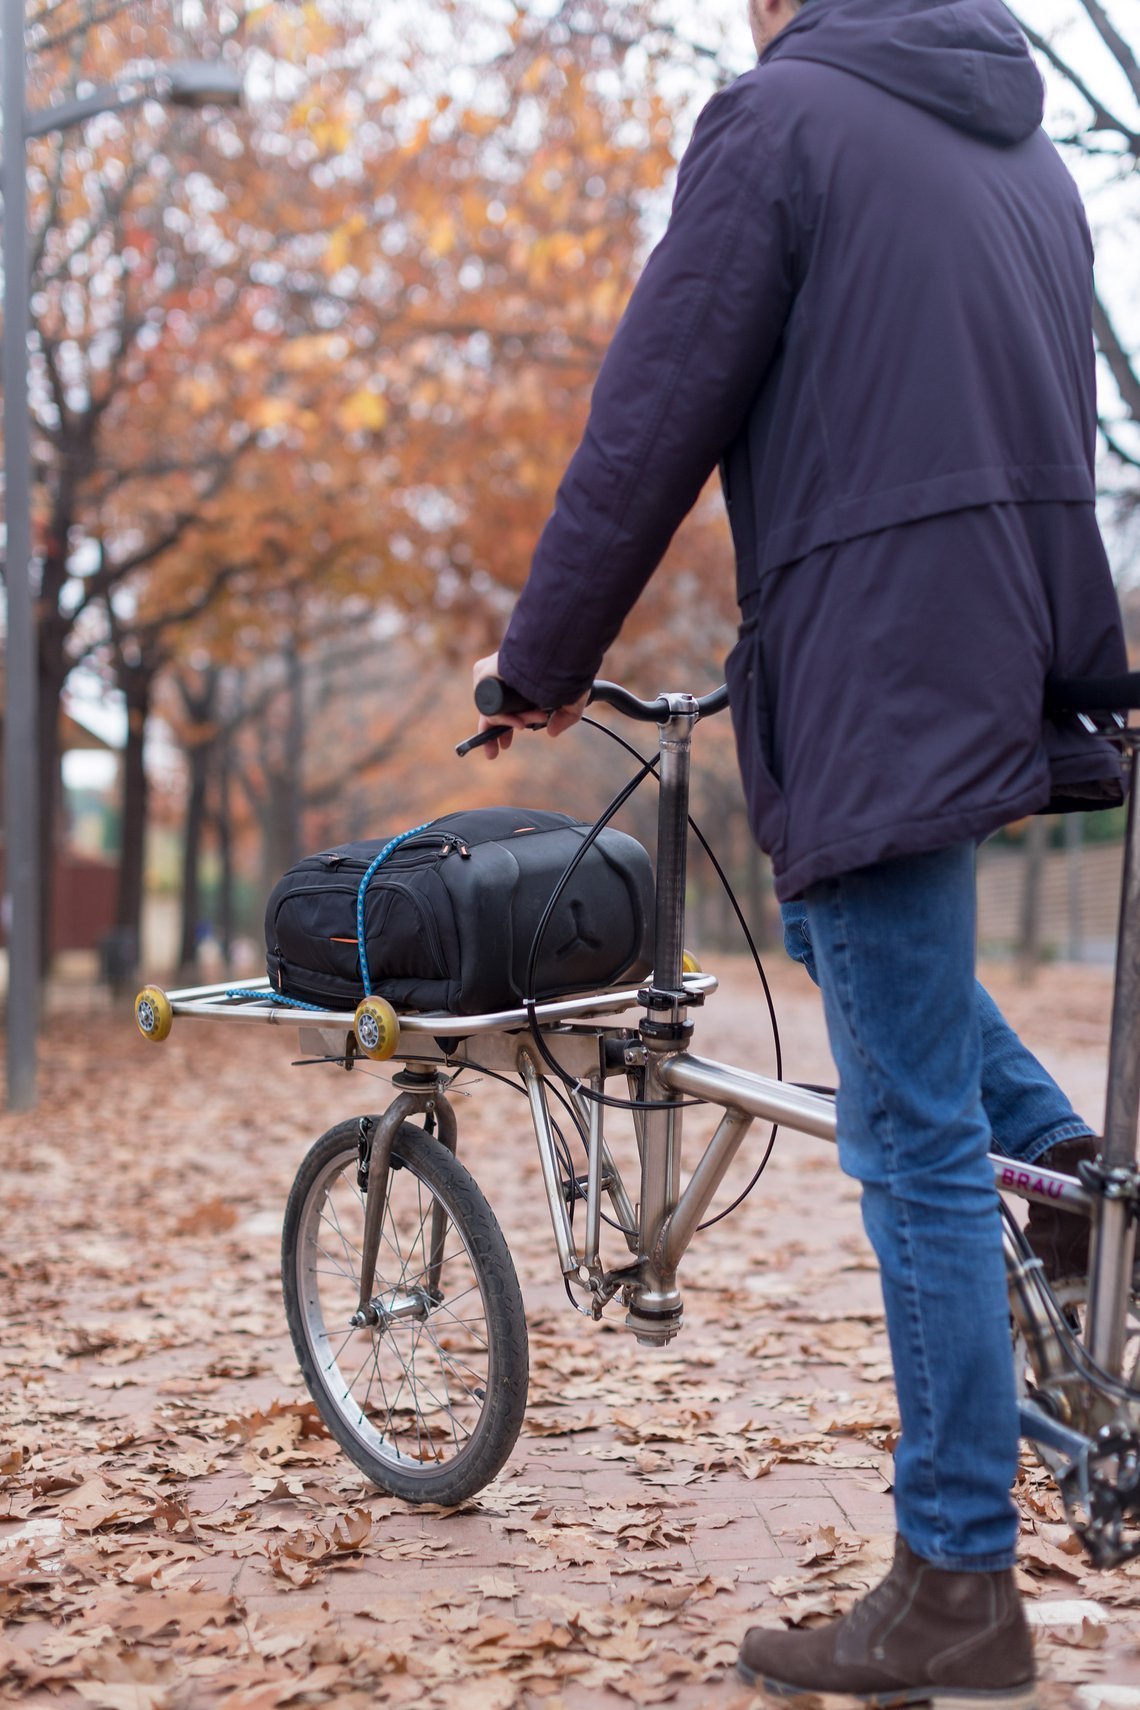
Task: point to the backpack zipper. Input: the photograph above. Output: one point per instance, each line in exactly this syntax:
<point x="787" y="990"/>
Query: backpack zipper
<point x="446" y="845"/>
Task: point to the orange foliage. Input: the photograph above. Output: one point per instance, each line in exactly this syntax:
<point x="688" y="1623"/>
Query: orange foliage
<point x="328" y="356"/>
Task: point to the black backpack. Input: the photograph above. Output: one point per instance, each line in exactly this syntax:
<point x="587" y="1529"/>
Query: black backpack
<point x="450" y="911"/>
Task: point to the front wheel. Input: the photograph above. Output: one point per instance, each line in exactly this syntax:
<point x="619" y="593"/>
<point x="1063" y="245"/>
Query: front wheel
<point x="429" y="1399"/>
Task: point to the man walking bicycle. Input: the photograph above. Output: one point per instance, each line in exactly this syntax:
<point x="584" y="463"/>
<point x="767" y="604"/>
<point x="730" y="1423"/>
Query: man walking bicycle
<point x="872" y="307"/>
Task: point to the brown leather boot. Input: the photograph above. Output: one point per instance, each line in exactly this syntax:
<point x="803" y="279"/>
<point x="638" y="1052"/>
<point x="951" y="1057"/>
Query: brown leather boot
<point x="922" y="1636"/>
<point x="1059" y="1238"/>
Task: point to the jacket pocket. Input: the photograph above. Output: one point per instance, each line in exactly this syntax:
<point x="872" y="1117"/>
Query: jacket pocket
<point x="752" y="724"/>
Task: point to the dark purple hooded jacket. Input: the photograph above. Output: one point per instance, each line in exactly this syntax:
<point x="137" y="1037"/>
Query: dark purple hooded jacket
<point x="872" y="307"/>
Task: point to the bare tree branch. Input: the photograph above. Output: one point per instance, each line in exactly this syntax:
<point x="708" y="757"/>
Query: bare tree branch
<point x="1115" y="43"/>
<point x="1103" y="117"/>
<point x="1117" y="449"/>
<point x="1121" y="365"/>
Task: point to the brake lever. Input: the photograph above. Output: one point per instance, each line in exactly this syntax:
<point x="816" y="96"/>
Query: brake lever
<point x="492" y="734"/>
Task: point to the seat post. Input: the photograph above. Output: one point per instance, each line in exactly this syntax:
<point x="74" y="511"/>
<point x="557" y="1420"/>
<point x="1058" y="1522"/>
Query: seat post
<point x="1114" y="1232"/>
<point x="1123" y="1101"/>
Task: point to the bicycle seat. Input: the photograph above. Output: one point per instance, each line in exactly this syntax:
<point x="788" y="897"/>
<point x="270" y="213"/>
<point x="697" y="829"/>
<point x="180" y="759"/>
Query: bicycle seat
<point x="1094" y="694"/>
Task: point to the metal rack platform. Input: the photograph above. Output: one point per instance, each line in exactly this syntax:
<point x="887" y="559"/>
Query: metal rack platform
<point x="229" y="1001"/>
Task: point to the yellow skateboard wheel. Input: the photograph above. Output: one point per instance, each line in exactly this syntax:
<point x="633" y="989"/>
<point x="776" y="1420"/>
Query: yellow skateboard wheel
<point x="153" y="1013"/>
<point x="377" y="1028"/>
<point x="689" y="964"/>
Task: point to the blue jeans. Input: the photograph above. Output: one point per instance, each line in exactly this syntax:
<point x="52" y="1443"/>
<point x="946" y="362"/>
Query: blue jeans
<point x="930" y="1076"/>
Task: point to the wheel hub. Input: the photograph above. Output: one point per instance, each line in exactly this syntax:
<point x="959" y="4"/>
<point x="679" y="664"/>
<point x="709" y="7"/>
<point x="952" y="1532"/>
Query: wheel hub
<point x="402" y="1305"/>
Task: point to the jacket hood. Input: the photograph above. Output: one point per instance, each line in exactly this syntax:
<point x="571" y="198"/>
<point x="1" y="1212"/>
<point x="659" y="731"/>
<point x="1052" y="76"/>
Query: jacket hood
<point x="966" y="61"/>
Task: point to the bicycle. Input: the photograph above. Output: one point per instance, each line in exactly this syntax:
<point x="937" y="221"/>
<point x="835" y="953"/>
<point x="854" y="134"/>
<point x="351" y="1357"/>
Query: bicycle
<point x="400" y="1291"/>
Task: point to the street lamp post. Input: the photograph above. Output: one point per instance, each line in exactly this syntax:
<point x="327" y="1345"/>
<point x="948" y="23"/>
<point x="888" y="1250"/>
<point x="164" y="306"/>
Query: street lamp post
<point x="20" y="723"/>
<point x="182" y="83"/>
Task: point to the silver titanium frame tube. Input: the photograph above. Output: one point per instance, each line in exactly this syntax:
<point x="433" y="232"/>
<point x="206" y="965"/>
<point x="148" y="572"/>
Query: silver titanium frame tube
<point x="1114" y="1232"/>
<point x="756" y="1095"/>
<point x="809" y="1113"/>
<point x="1040" y="1186"/>
<point x="661" y="1125"/>
<point x="212" y="1002"/>
<point x="1123" y="1103"/>
<point x="594" y="1179"/>
<point x="551" y="1180"/>
<point x="620" y="1202"/>
<point x="660" y="1172"/>
<point x="706" y="1178"/>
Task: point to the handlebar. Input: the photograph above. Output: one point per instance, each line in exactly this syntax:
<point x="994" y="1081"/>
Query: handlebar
<point x="493" y="696"/>
<point x="654" y="712"/>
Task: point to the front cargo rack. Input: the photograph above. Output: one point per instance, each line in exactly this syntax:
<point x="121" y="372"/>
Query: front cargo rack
<point x="374" y="1026"/>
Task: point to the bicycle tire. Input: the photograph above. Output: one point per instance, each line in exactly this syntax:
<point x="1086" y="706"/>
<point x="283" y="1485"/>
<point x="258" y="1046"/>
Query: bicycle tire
<point x="458" y="1438"/>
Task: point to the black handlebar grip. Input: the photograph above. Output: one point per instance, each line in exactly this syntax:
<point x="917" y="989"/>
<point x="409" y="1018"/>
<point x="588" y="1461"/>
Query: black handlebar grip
<point x="493" y="696"/>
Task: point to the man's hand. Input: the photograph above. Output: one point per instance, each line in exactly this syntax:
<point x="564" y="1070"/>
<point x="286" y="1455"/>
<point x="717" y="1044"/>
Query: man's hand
<point x="556" y="722"/>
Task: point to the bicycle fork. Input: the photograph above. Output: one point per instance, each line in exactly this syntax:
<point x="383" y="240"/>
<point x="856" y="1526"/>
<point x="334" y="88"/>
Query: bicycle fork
<point x="422" y="1094"/>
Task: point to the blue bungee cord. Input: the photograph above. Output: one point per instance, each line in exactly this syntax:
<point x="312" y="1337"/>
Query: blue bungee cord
<point x="388" y="849"/>
<point x="361" y="947"/>
<point x="268" y="996"/>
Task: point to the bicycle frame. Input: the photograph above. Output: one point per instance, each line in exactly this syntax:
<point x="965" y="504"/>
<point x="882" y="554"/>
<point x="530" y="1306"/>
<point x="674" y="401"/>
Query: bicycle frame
<point x="1079" y="1414"/>
<point x="661" y="1220"/>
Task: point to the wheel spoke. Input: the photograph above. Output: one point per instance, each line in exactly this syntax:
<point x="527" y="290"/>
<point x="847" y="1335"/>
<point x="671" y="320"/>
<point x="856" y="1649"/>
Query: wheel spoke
<point x="465" y="1324"/>
<point x="456" y="1364"/>
<point x="329" y="1215"/>
<point x="333" y="1359"/>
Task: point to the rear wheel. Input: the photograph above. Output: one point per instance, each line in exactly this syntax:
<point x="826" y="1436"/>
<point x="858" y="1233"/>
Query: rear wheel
<point x="428" y="1400"/>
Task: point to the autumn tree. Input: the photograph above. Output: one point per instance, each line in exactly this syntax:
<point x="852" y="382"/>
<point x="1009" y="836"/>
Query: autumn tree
<point x="266" y="340"/>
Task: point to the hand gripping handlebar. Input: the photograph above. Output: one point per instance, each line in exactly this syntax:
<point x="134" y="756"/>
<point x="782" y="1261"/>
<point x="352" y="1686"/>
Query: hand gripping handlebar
<point x="493" y="696"/>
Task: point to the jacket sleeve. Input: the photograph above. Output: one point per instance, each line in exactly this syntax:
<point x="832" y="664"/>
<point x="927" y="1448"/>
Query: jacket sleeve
<point x="684" y="366"/>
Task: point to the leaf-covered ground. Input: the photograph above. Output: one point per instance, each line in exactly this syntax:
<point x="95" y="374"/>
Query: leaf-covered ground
<point x="177" y="1530"/>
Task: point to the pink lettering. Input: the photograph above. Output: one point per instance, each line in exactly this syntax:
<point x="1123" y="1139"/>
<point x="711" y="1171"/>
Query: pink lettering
<point x="1012" y="1178"/>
